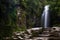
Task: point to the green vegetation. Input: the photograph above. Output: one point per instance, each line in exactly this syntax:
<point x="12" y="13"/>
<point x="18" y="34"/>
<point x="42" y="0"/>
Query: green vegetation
<point x="8" y="18"/>
<point x="30" y="16"/>
<point x="34" y="9"/>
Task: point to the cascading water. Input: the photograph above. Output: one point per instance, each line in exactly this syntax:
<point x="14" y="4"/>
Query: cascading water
<point x="45" y="17"/>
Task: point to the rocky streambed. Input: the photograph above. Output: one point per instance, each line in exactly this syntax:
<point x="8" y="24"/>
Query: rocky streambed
<point x="36" y="34"/>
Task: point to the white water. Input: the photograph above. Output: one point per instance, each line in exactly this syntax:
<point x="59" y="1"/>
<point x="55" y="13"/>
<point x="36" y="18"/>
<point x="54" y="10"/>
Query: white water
<point x="45" y="16"/>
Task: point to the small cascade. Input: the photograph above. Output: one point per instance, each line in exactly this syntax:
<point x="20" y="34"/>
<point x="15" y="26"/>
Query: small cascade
<point x="45" y="17"/>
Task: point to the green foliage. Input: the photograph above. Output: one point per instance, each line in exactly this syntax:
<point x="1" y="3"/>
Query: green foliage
<point x="8" y="18"/>
<point x="30" y="14"/>
<point x="34" y="8"/>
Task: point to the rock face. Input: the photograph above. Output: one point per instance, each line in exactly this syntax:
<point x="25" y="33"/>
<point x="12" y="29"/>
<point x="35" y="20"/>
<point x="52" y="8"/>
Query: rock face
<point x="56" y="28"/>
<point x="37" y="34"/>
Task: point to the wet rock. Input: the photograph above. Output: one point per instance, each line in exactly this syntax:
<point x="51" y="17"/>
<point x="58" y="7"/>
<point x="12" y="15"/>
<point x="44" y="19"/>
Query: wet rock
<point x="29" y="34"/>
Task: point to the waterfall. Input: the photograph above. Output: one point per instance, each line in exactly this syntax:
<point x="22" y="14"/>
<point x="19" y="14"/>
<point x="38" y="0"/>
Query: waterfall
<point x="45" y="17"/>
